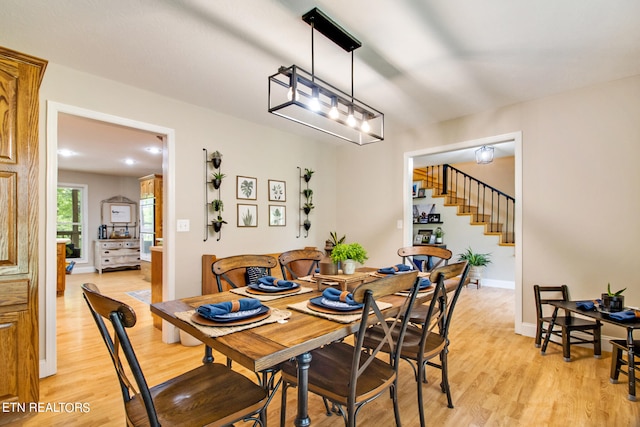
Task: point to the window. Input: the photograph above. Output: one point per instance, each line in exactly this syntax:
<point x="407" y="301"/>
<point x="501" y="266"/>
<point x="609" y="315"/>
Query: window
<point x="71" y="222"/>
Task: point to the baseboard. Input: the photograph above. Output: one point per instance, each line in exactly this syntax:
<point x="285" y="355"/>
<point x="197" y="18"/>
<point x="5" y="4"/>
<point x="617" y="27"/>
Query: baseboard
<point x="491" y="283"/>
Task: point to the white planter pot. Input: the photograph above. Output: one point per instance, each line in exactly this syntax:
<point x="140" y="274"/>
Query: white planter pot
<point x="475" y="273"/>
<point x="348" y="266"/>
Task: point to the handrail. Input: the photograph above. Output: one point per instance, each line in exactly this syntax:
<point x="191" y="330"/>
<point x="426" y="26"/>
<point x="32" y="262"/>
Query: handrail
<point x="487" y="201"/>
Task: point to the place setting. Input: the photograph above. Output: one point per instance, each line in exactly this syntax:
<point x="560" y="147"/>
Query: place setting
<point x="425" y="283"/>
<point x="334" y="304"/>
<point x="232" y="316"/>
<point x="269" y="288"/>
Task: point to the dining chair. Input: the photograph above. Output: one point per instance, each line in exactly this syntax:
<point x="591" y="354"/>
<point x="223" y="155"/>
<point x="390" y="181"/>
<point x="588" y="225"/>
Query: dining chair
<point x="197" y="397"/>
<point x="564" y="325"/>
<point x="410" y="253"/>
<point x="620" y="358"/>
<point x="348" y="375"/>
<point x="299" y="262"/>
<point x="233" y="270"/>
<point x="428" y="337"/>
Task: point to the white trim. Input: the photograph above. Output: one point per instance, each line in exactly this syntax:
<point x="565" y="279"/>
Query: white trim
<point x="516" y="137"/>
<point x="48" y="365"/>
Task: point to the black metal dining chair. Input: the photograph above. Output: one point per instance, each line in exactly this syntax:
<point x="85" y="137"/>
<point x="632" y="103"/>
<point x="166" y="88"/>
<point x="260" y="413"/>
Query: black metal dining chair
<point x="195" y="398"/>
<point x="620" y="359"/>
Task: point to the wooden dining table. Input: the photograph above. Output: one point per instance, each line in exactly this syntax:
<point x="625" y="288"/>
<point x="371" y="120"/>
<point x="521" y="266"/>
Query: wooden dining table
<point x="268" y="345"/>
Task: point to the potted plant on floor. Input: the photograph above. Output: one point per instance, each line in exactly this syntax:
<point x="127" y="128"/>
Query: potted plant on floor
<point x="477" y="262"/>
<point x="347" y="254"/>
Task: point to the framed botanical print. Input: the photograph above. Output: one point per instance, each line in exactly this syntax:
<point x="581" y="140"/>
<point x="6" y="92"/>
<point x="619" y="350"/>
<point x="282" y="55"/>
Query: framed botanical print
<point x="277" y="191"/>
<point x="246" y="188"/>
<point x="277" y="215"/>
<point x="247" y="215"/>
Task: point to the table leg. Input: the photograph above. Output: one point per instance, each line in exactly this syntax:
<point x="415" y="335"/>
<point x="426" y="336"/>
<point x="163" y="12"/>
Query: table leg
<point x="302" y="419"/>
<point x="549" y="329"/>
<point x="632" y="365"/>
<point x="208" y="355"/>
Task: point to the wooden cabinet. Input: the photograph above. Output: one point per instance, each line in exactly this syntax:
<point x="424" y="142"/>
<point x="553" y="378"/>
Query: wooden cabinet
<point x="20" y="78"/>
<point x="156" y="281"/>
<point x="62" y="268"/>
<point x="151" y="188"/>
<point x="116" y="253"/>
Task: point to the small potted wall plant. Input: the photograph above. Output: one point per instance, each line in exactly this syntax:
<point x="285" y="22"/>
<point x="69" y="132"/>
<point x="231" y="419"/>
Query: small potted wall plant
<point x="216" y="159"/>
<point x="307" y="174"/>
<point x="217" y="205"/>
<point x="613" y="301"/>
<point x="217" y="223"/>
<point x="308" y="206"/>
<point x="216" y="179"/>
<point x="307" y="193"/>
<point x="477" y="261"/>
<point x="348" y="254"/>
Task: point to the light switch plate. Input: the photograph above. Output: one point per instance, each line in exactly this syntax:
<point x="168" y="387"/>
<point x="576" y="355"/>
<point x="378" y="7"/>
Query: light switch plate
<point x="182" y="225"/>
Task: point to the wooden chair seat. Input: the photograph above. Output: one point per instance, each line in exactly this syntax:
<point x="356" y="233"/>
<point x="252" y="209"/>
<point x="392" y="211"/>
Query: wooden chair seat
<point x="200" y="397"/>
<point x="412" y="344"/>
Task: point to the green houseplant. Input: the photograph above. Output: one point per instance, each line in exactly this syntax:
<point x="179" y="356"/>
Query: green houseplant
<point x="613" y="301"/>
<point x="477" y="261"/>
<point x="216" y="179"/>
<point x="347" y="254"/>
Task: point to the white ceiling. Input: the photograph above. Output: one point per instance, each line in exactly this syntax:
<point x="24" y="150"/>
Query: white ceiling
<point x="421" y="61"/>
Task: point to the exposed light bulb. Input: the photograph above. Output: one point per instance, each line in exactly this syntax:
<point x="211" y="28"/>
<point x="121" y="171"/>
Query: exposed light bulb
<point x="365" y="124"/>
<point x="314" y="102"/>
<point x="290" y="94"/>
<point x="333" y="112"/>
<point x="351" y="120"/>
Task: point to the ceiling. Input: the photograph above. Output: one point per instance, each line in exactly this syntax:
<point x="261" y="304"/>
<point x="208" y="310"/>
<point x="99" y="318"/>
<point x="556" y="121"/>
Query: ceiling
<point x="421" y="61"/>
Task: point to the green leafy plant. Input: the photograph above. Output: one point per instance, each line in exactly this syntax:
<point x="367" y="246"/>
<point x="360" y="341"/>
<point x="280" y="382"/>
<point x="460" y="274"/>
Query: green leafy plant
<point x="614" y="294"/>
<point x="344" y="251"/>
<point x="217" y="205"/>
<point x="218" y="175"/>
<point x="307" y="174"/>
<point x="439" y="232"/>
<point x="475" y="259"/>
<point x="308" y="206"/>
<point x="307" y="193"/>
<point x="334" y="238"/>
<point x="216" y="155"/>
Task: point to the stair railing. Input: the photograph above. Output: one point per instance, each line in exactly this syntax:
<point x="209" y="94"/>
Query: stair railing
<point x="486" y="200"/>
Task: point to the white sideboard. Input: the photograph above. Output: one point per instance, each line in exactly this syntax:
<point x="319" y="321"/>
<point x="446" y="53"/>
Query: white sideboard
<point x="116" y="253"/>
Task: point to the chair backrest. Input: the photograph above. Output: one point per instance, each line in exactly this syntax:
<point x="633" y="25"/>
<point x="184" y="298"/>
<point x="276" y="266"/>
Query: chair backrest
<point x="233" y="269"/>
<point x="546" y="294"/>
<point x="121" y="317"/>
<point x="410" y="252"/>
<point x="299" y="262"/>
<point x="369" y="294"/>
<point x="447" y="301"/>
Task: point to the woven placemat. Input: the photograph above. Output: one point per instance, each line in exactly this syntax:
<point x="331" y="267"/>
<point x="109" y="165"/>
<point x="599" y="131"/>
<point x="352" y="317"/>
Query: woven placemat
<point x="243" y="291"/>
<point x="218" y="331"/>
<point x="341" y="318"/>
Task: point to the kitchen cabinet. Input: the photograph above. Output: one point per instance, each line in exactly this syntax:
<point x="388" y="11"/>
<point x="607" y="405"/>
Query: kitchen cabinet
<point x="61" y="268"/>
<point x="116" y="253"/>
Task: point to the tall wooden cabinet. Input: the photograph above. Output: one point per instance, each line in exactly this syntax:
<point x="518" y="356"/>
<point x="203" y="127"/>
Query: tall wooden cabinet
<point x="20" y="78"/>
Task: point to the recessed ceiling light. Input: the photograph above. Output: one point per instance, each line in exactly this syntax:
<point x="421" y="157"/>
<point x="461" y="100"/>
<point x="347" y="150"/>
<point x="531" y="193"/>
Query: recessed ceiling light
<point x="129" y="162"/>
<point x="66" y="153"/>
<point x="154" y="150"/>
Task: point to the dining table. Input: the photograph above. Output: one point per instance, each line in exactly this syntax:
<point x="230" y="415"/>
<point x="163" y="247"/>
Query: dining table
<point x="602" y="316"/>
<point x="267" y="345"/>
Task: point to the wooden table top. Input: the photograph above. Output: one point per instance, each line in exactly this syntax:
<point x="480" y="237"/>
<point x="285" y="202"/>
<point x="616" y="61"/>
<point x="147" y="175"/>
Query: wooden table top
<point x="267" y="345"/>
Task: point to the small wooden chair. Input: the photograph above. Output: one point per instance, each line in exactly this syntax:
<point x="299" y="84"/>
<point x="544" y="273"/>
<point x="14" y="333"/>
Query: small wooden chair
<point x="409" y="253"/>
<point x="620" y="359"/>
<point x="430" y="338"/>
<point x="350" y="376"/>
<point x="197" y="397"/>
<point x="299" y="262"/>
<point x="232" y="270"/>
<point x="565" y="324"/>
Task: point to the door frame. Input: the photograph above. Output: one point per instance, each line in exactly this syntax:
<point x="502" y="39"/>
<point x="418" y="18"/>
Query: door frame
<point x="516" y="138"/>
<point x="48" y="365"/>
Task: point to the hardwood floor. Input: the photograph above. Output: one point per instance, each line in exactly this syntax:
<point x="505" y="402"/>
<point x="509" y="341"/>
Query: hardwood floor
<point x="497" y="378"/>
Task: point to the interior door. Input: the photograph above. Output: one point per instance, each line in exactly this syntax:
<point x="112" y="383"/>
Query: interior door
<point x="20" y="77"/>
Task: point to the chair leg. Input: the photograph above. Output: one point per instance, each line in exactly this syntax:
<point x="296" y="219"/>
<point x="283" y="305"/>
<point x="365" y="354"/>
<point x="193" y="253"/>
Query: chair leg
<point x="396" y="407"/>
<point x="616" y="364"/>
<point x="597" y="345"/>
<point x="566" y="345"/>
<point x="538" y="334"/>
<point x="445" y="377"/>
<point x="421" y="373"/>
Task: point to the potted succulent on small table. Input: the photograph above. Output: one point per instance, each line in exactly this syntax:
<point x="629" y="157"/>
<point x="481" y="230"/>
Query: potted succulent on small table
<point x="347" y="254"/>
<point x="613" y="301"/>
<point x="477" y="261"/>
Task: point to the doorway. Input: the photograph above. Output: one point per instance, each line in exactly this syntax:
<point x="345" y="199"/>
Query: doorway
<point x="455" y="151"/>
<point x="48" y="365"/>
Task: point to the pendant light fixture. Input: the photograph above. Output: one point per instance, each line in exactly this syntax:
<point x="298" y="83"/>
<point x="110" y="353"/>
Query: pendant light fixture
<point x="298" y="95"/>
<point x="484" y="155"/>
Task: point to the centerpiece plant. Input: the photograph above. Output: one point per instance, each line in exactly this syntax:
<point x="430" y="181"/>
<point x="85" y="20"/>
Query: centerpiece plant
<point x="347" y="254"/>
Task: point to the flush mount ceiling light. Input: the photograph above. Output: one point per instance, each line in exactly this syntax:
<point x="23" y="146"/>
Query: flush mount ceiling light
<point x="298" y="95"/>
<point x="484" y="155"/>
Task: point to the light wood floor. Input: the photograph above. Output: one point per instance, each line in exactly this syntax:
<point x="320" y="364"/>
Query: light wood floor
<point x="497" y="378"/>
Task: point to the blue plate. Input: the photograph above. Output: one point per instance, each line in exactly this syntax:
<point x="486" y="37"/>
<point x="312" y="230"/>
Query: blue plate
<point x="273" y="289"/>
<point x="240" y="315"/>
<point x="334" y="305"/>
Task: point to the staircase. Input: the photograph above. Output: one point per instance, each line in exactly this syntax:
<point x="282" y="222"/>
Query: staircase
<point x="485" y="205"/>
